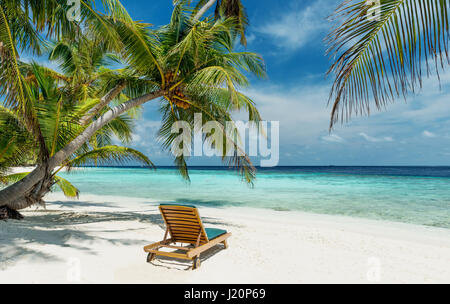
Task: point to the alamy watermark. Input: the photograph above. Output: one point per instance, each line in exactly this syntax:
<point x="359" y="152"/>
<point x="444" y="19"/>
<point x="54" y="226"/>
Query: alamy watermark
<point x="74" y="11"/>
<point x="215" y="139"/>
<point x="374" y="10"/>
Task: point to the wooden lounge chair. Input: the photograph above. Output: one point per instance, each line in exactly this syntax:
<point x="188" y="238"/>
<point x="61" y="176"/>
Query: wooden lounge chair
<point x="184" y="225"/>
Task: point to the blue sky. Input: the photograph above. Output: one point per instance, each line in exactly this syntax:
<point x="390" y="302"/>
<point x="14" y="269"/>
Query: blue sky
<point x="289" y="35"/>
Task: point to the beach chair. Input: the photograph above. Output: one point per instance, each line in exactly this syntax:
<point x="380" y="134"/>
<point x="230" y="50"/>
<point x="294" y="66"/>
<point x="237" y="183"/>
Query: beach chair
<point x="184" y="226"/>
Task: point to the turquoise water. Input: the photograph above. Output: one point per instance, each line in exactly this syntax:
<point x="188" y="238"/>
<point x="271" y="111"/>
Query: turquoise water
<point x="398" y="194"/>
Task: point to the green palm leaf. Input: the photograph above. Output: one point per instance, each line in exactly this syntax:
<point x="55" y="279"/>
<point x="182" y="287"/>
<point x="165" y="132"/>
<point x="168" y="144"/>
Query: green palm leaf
<point x="66" y="187"/>
<point x="13" y="178"/>
<point x="380" y="52"/>
<point x="227" y="9"/>
<point x="16" y="147"/>
<point x="111" y="155"/>
<point x="11" y="78"/>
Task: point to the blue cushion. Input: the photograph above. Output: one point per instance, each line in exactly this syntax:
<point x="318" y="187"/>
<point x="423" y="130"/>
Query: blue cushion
<point x="190" y="206"/>
<point x="212" y="233"/>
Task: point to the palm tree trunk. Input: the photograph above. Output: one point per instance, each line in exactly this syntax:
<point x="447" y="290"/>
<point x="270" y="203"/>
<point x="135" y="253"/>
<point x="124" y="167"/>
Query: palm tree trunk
<point x="31" y="189"/>
<point x="75" y="144"/>
<point x="14" y="195"/>
<point x="204" y="9"/>
<point x="103" y="102"/>
<point x="31" y="195"/>
<point x="8" y="213"/>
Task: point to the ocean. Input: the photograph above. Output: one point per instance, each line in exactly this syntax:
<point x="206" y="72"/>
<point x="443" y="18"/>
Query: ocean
<point x="417" y="195"/>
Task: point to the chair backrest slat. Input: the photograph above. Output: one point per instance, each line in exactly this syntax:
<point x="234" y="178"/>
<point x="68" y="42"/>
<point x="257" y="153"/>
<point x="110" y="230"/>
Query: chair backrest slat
<point x="184" y="224"/>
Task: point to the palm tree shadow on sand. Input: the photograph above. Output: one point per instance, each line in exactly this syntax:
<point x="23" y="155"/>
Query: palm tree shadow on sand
<point x="53" y="227"/>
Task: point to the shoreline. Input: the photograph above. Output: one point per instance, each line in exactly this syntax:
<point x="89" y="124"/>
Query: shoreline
<point x="104" y="236"/>
<point x="290" y="213"/>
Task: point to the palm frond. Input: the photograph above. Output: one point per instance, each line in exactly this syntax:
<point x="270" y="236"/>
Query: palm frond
<point x="234" y="8"/>
<point x="111" y="155"/>
<point x="62" y="53"/>
<point x="16" y="147"/>
<point x="101" y="24"/>
<point x="10" y="77"/>
<point x="66" y="187"/>
<point x="140" y="47"/>
<point x="225" y="9"/>
<point x="380" y="52"/>
<point x="13" y="178"/>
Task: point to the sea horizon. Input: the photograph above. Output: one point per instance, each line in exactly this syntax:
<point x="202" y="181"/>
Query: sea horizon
<point x="438" y="170"/>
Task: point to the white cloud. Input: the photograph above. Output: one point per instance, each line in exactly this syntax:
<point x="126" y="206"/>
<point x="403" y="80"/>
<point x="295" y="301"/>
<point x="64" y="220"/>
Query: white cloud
<point x="145" y="139"/>
<point x="42" y="61"/>
<point x="302" y="111"/>
<point x="376" y="139"/>
<point x="428" y="134"/>
<point x="250" y="38"/>
<point x="333" y="138"/>
<point x="295" y="28"/>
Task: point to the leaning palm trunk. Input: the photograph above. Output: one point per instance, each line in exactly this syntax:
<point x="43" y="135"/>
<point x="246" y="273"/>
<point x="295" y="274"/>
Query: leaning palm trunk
<point x="17" y="195"/>
<point x="31" y="189"/>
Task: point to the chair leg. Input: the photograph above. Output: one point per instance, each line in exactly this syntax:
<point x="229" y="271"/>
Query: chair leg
<point x="196" y="262"/>
<point x="225" y="244"/>
<point x="150" y="257"/>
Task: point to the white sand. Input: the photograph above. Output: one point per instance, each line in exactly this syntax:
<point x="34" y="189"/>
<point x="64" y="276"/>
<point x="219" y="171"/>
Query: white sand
<point x="100" y="240"/>
<point x="14" y="170"/>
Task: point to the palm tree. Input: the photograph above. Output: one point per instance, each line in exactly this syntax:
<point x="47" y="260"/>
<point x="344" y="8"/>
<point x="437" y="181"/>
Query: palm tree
<point x="188" y="66"/>
<point x="53" y="121"/>
<point x="382" y="50"/>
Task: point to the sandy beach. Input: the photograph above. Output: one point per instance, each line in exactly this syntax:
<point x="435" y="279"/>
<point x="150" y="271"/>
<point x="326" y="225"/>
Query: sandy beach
<point x="100" y="239"/>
